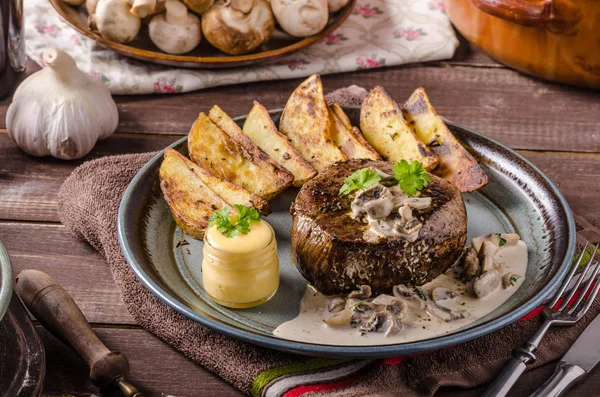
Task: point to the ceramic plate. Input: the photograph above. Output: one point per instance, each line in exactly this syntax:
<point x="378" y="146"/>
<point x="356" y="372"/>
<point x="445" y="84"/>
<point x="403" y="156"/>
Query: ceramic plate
<point x="519" y="198"/>
<point x="203" y="56"/>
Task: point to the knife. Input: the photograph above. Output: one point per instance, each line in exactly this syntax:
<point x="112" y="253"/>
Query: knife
<point x="579" y="361"/>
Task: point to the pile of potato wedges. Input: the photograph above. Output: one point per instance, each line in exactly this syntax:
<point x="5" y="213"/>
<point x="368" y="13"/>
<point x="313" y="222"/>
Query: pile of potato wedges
<point x="230" y="165"/>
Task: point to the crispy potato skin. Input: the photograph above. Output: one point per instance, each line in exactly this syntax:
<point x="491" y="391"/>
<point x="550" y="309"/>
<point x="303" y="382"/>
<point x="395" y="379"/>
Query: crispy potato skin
<point x="235" y="159"/>
<point x="346" y="140"/>
<point x="383" y="126"/>
<point x="231" y="193"/>
<point x="305" y="123"/>
<point x="260" y="128"/>
<point x="456" y="164"/>
<point x="191" y="200"/>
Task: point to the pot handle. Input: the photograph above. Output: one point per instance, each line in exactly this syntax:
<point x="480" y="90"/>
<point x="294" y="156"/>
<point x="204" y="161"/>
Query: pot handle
<point x="522" y="12"/>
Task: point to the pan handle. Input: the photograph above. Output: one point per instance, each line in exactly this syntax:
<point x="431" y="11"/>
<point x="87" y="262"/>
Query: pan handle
<point x="58" y="312"/>
<point x="6" y="280"/>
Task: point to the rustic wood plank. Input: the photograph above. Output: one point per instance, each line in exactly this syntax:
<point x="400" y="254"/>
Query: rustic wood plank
<point x="158" y="370"/>
<point x="73" y="263"/>
<point x="29" y="185"/>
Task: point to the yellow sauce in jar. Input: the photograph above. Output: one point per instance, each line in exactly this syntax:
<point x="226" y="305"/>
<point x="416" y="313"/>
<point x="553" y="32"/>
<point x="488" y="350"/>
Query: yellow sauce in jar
<point x="241" y="271"/>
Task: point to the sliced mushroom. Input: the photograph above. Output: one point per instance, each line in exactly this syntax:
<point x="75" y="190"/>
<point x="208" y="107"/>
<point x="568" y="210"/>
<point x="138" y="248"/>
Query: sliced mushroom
<point x="390" y="324"/>
<point x="445" y="314"/>
<point x="417" y="203"/>
<point x="405" y="213"/>
<point x="486" y="255"/>
<point x="441" y="294"/>
<point x="376" y="202"/>
<point x="343" y="317"/>
<point x="477" y="242"/>
<point x="301" y="18"/>
<point x="396" y="306"/>
<point x="471" y="268"/>
<point x="511" y="238"/>
<point x="510" y="279"/>
<point x="336" y="5"/>
<point x="336" y="304"/>
<point x="412" y="299"/>
<point x="364" y="292"/>
<point x="373" y="324"/>
<point x="176" y="31"/>
<point x="115" y="22"/>
<point x="487" y="283"/>
<point x="238" y="26"/>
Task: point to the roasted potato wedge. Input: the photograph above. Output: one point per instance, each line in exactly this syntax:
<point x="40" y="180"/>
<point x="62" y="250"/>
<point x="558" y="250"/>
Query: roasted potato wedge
<point x="191" y="200"/>
<point x="385" y="129"/>
<point x="305" y="122"/>
<point x="456" y="164"/>
<point x="346" y="140"/>
<point x="232" y="194"/>
<point x="235" y="159"/>
<point x="261" y="129"/>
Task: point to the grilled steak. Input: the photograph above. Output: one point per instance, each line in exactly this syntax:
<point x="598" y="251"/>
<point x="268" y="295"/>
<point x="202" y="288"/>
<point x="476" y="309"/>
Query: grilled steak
<point x="331" y="250"/>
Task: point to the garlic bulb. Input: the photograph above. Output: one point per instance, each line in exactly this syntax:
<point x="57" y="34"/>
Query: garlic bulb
<point x="60" y="111"/>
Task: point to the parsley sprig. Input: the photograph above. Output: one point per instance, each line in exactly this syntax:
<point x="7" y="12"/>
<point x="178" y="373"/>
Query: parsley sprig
<point x="411" y="177"/>
<point x="231" y="226"/>
<point x="361" y="179"/>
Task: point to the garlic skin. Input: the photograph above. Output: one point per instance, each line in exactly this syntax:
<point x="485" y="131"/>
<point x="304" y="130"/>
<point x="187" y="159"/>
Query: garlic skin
<point x="60" y="111"/>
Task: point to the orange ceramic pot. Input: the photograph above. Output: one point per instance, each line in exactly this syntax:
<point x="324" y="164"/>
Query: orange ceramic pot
<point x="558" y="40"/>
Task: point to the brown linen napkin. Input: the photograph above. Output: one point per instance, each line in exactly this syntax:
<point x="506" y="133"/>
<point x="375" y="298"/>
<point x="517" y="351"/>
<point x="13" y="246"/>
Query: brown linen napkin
<point x="88" y="205"/>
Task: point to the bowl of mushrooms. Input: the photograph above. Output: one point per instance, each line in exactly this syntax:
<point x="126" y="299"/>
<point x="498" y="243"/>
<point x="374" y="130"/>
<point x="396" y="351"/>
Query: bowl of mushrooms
<point x="205" y="33"/>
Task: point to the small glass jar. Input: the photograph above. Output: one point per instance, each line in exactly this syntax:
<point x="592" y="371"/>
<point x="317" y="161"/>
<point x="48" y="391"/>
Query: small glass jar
<point x="236" y="277"/>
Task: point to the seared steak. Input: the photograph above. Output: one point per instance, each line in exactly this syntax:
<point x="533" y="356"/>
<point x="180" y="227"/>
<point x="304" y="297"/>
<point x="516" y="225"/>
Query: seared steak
<point x="331" y="250"/>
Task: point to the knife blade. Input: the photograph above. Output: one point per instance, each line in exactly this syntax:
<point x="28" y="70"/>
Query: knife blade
<point x="578" y="361"/>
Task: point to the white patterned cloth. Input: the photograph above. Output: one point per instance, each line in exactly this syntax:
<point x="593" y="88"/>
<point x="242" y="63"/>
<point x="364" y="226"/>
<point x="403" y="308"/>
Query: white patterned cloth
<point x="378" y="33"/>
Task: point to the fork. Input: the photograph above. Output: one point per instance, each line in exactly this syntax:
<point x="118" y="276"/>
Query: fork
<point x="563" y="316"/>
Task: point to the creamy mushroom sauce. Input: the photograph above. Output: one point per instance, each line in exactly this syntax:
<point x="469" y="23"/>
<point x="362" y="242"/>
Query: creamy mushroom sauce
<point x="418" y="319"/>
<point x="388" y="210"/>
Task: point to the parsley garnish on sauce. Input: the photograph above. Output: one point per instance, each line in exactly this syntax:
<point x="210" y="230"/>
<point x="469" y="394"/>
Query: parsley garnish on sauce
<point x="231" y="226"/>
<point x="411" y="177"/>
<point x="420" y="293"/>
<point x="361" y="179"/>
<point x="513" y="280"/>
<point x="502" y="240"/>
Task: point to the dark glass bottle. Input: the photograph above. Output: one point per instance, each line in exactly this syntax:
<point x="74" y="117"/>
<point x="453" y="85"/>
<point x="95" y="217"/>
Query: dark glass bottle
<point x="12" y="45"/>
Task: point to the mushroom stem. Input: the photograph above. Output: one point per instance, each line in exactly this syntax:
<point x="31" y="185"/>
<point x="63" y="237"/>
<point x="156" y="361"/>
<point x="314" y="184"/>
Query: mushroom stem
<point x="176" y="13"/>
<point x="60" y="62"/>
<point x="143" y="8"/>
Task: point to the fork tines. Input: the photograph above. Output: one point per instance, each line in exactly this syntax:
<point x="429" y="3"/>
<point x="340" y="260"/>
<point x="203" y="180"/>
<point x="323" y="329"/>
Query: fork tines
<point x="574" y="280"/>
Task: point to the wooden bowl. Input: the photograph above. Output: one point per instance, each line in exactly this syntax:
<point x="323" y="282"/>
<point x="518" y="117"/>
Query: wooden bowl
<point x="204" y="56"/>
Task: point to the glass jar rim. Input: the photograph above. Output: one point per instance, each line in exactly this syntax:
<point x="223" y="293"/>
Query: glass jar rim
<point x="206" y="240"/>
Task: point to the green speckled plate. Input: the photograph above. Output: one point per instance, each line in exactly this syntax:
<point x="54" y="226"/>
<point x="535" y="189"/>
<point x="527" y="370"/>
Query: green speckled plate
<point x="519" y="198"/>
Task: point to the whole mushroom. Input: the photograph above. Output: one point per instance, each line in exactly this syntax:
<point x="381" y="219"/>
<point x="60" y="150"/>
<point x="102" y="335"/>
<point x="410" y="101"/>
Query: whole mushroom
<point x="336" y="5"/>
<point x="301" y="18"/>
<point x="176" y="31"/>
<point x="198" y="6"/>
<point x="115" y="22"/>
<point x="238" y="26"/>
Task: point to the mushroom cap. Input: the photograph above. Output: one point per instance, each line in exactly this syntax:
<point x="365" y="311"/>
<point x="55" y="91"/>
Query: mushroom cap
<point x="235" y="32"/>
<point x="115" y="22"/>
<point x="301" y="18"/>
<point x="177" y="34"/>
<point x="336" y="5"/>
<point x="198" y="6"/>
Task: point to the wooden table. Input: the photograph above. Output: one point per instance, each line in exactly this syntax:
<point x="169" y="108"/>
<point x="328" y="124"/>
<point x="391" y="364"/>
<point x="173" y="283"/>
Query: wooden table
<point x="556" y="127"/>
